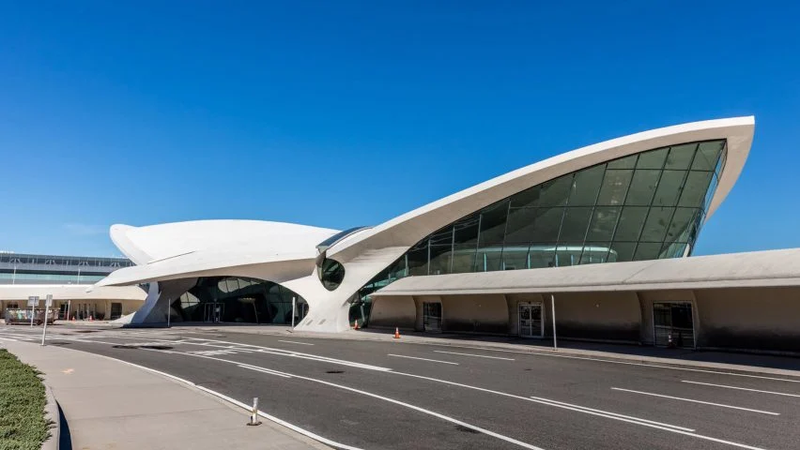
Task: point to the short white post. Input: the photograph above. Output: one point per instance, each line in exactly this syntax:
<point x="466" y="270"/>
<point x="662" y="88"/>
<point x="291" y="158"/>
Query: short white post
<point x="33" y="302"/>
<point x="69" y="306"/>
<point x="169" y="312"/>
<point x="254" y="413"/>
<point x="553" y="310"/>
<point x="294" y="307"/>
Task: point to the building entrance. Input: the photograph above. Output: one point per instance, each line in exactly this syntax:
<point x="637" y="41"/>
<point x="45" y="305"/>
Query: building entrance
<point x="531" y="324"/>
<point x="673" y="324"/>
<point x="213" y="312"/>
<point x="432" y="316"/>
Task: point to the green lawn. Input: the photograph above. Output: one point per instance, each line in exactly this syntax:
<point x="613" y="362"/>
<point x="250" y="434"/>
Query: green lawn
<point x="23" y="425"/>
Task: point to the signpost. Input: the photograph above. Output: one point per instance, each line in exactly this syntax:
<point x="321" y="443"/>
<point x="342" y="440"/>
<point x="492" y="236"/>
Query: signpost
<point x="553" y="307"/>
<point x="33" y="302"/>
<point x="294" y="306"/>
<point x="47" y="304"/>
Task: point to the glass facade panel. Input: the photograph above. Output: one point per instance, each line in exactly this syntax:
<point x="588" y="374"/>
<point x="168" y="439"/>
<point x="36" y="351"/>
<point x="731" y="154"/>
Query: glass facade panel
<point x="654" y="159"/>
<point x="493" y="224"/>
<point x="550" y="193"/>
<point x="680" y="156"/>
<point x="643" y="186"/>
<point x="585" y="186"/>
<point x="669" y="187"/>
<point x="707" y="155"/>
<point x="604" y="220"/>
<point x="694" y="191"/>
<point x="630" y="223"/>
<point x="615" y="186"/>
<point x="576" y="221"/>
<point x="644" y="206"/>
<point x="463" y="258"/>
<point x="594" y="252"/>
<point x="628" y="162"/>
<point x="655" y="227"/>
<point x="647" y="250"/>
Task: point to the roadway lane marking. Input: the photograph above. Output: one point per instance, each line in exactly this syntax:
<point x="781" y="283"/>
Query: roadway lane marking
<point x="698" y="401"/>
<point x="473" y="354"/>
<point x="262" y="370"/>
<point x="607" y="414"/>
<point x="640" y="364"/>
<point x="387" y="399"/>
<point x="741" y="388"/>
<point x="295" y="342"/>
<point x="424" y="359"/>
<point x="292" y="353"/>
<point x="549" y="403"/>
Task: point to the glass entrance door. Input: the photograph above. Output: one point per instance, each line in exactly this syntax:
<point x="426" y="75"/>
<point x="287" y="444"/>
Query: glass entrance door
<point x="212" y="312"/>
<point x="432" y="316"/>
<point x="530" y="320"/>
<point x="673" y="325"/>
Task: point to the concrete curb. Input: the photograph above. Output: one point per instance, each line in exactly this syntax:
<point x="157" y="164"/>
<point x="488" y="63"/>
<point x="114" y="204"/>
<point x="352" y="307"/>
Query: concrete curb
<point x="51" y="411"/>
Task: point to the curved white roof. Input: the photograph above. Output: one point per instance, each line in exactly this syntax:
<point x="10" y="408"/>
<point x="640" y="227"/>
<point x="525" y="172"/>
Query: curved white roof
<point x="286" y="251"/>
<point x="407" y="229"/>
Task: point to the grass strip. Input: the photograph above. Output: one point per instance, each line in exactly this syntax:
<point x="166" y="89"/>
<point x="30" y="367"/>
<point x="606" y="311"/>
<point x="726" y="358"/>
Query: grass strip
<point x="23" y="425"/>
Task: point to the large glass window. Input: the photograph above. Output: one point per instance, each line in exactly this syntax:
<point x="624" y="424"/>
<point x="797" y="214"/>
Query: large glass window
<point x="644" y="206"/>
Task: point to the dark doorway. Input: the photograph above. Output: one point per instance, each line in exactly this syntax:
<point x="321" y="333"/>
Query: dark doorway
<point x="673" y="324"/>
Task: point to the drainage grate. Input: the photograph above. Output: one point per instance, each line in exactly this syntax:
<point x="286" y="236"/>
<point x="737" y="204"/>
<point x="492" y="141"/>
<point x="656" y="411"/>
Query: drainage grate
<point x="156" y="347"/>
<point x="335" y="371"/>
<point x="464" y="429"/>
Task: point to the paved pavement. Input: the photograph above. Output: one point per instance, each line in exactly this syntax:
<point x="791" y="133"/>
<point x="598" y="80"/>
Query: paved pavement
<point x="111" y="405"/>
<point x="386" y="394"/>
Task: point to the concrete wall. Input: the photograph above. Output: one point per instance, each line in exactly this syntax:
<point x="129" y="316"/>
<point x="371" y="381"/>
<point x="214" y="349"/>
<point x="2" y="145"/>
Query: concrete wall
<point x="475" y="313"/>
<point x="607" y="316"/>
<point x="755" y="318"/>
<point x="391" y="312"/>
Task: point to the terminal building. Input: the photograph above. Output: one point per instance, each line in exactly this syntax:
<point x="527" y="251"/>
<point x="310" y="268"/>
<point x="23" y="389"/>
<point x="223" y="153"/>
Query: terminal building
<point x="67" y="279"/>
<point x="604" y="234"/>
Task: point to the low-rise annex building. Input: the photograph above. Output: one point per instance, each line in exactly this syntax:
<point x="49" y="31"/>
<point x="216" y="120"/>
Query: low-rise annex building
<point x="68" y="280"/>
<point x="599" y="212"/>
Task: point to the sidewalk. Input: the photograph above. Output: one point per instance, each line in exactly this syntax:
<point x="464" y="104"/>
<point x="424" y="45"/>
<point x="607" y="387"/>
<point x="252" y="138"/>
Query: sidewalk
<point x="109" y="404"/>
<point x="783" y="366"/>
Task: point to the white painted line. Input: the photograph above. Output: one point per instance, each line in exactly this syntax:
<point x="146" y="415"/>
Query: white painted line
<point x="396" y="402"/>
<point x="295" y="342"/>
<point x="473" y="354"/>
<point x="608" y="414"/>
<point x="741" y="388"/>
<point x="625" y="363"/>
<point x="424" y="359"/>
<point x="548" y="402"/>
<point x="697" y="401"/>
<point x="262" y="370"/>
<point x="292" y="353"/>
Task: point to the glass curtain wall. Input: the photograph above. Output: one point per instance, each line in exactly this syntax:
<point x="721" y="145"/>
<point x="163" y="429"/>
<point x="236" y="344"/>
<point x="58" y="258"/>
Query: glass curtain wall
<point x="237" y="300"/>
<point x="650" y="205"/>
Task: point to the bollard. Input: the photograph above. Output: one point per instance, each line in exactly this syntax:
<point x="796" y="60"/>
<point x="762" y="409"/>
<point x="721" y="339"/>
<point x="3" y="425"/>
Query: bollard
<point x="254" y="414"/>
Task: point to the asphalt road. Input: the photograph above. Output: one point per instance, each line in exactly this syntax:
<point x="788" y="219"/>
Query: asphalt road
<point x="394" y="395"/>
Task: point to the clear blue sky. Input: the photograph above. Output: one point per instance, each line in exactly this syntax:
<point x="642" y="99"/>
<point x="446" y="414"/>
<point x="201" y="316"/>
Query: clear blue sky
<point x="338" y="113"/>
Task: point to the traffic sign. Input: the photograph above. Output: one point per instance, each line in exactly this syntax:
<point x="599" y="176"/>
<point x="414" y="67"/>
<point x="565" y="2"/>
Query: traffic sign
<point x="33" y="301"/>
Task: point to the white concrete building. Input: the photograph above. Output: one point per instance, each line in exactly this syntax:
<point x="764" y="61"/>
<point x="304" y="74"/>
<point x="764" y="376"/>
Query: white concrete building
<point x="642" y="197"/>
